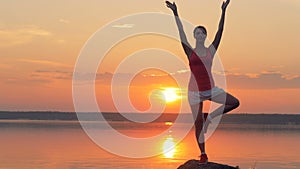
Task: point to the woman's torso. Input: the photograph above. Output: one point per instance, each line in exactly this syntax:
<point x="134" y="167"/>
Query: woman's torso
<point x="201" y="76"/>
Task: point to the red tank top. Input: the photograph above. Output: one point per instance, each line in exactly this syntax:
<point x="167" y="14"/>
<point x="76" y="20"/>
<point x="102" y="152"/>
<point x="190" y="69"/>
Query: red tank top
<point x="201" y="77"/>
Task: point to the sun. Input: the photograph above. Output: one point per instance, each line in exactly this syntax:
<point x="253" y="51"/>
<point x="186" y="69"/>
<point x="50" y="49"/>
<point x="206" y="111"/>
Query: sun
<point x="170" y="94"/>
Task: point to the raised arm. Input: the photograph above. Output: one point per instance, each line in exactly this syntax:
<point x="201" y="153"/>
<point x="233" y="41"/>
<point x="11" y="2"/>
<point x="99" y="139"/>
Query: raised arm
<point x="185" y="44"/>
<point x="215" y="44"/>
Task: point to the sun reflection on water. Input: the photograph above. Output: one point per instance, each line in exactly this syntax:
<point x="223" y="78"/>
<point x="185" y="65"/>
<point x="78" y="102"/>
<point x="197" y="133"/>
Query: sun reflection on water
<point x="169" y="147"/>
<point x="168" y="123"/>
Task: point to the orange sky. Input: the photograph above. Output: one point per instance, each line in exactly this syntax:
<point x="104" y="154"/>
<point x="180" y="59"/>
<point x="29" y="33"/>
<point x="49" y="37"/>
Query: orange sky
<point x="40" y="43"/>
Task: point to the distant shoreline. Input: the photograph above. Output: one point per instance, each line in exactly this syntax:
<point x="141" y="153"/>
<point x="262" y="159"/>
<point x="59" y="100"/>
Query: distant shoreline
<point x="264" y="119"/>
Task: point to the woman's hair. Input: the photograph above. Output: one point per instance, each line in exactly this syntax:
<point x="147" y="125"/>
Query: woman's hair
<point x="201" y="27"/>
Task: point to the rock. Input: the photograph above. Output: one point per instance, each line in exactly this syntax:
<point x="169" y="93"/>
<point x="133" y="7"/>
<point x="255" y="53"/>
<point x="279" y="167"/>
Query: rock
<point x="194" y="164"/>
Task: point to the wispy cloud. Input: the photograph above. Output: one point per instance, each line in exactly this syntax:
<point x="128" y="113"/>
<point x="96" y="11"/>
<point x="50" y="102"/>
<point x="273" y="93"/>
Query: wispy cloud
<point x="290" y="76"/>
<point x="51" y="75"/>
<point x="123" y="26"/>
<point x="263" y="80"/>
<point x="45" y="62"/>
<point x="27" y="81"/>
<point x="21" y="35"/>
<point x="277" y="66"/>
<point x="183" y="71"/>
<point x="64" y="21"/>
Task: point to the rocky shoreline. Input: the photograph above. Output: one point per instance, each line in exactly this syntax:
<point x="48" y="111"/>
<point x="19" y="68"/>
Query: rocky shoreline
<point x="194" y="164"/>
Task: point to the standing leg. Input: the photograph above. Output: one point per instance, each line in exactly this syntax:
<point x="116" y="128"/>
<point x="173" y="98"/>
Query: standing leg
<point x="197" y="114"/>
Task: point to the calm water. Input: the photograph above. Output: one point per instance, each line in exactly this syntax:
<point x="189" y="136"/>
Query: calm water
<point x="63" y="145"/>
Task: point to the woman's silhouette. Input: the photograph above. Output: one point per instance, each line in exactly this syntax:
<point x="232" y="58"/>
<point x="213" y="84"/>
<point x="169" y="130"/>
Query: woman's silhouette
<point x="201" y="85"/>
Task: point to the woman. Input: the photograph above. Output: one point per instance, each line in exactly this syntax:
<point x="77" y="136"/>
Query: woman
<point x="201" y="85"/>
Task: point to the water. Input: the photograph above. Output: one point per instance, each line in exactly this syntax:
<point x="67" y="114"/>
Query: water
<point x="63" y="145"/>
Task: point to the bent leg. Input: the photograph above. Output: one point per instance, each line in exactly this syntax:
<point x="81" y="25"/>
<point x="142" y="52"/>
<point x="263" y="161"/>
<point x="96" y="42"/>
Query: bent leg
<point x="228" y="102"/>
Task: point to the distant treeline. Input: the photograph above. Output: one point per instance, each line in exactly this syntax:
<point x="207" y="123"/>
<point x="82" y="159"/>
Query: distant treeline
<point x="286" y="119"/>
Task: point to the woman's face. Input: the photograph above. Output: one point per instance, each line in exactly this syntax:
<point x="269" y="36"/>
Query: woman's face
<point x="199" y="34"/>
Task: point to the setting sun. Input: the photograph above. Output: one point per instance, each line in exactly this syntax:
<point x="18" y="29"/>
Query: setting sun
<point x="171" y="94"/>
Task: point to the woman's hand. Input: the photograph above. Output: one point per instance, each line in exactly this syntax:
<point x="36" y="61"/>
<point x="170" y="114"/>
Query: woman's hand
<point x="172" y="6"/>
<point x="224" y="5"/>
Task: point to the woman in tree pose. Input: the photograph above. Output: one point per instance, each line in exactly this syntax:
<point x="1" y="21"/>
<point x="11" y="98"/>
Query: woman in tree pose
<point x="201" y="85"/>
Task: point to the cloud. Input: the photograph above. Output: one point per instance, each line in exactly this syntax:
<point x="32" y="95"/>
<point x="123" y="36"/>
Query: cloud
<point x="64" y="21"/>
<point x="45" y="62"/>
<point x="25" y="81"/>
<point x="28" y="81"/>
<point x="22" y="35"/>
<point x="39" y="77"/>
<point x="263" y="80"/>
<point x="277" y="66"/>
<point x="123" y="26"/>
<point x="51" y="75"/>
